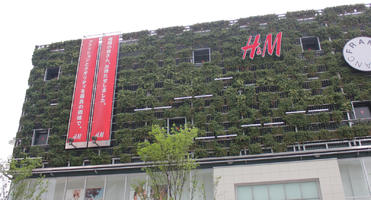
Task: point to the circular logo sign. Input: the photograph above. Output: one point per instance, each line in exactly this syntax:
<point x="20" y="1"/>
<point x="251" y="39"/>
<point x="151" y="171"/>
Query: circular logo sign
<point x="357" y="53"/>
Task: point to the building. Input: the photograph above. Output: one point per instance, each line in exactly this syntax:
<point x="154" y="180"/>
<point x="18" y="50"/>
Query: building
<point x="284" y="119"/>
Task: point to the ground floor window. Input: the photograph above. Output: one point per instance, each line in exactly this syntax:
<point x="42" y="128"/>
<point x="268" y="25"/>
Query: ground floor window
<point x="355" y="175"/>
<point x="120" y="187"/>
<point x="308" y="190"/>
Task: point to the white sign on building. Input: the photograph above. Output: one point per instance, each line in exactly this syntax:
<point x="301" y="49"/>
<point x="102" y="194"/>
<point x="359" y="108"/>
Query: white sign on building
<point x="357" y="53"/>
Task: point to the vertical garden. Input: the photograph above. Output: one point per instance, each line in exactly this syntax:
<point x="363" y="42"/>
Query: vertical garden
<point x="240" y="106"/>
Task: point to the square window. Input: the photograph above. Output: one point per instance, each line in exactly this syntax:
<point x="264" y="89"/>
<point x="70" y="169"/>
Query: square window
<point x="362" y="109"/>
<point x="201" y="55"/>
<point x="40" y="136"/>
<point x="177" y="122"/>
<point x="51" y="73"/>
<point x="310" y="43"/>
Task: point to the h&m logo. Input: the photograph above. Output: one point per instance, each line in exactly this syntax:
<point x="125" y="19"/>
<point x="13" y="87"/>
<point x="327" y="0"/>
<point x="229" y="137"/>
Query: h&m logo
<point x="255" y="48"/>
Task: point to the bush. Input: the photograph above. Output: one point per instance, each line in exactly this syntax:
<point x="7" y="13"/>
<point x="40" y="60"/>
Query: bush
<point x="255" y="148"/>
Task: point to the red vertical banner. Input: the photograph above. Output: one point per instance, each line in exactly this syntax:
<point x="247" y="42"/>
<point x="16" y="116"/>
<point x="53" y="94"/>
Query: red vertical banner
<point x="80" y="110"/>
<point x="104" y="94"/>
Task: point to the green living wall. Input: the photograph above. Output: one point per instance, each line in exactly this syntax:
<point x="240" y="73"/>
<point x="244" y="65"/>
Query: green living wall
<point x="155" y="67"/>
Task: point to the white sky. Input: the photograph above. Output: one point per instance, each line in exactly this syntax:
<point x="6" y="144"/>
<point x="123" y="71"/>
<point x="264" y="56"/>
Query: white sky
<point x="26" y="23"/>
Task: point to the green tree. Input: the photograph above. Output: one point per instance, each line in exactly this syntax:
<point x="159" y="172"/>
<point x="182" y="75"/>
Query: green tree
<point x="168" y="162"/>
<point x="18" y="171"/>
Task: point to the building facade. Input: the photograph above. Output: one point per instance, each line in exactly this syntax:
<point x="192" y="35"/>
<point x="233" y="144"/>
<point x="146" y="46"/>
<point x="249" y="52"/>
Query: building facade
<point x="282" y="107"/>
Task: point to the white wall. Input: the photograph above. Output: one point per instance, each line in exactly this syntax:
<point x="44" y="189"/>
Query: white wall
<point x="326" y="171"/>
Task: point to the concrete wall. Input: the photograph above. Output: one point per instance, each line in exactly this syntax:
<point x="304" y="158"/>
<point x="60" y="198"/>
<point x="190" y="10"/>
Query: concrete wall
<point x="325" y="171"/>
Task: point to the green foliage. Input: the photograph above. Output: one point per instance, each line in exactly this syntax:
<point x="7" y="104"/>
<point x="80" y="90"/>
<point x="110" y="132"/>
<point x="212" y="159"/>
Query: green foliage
<point x="168" y="161"/>
<point x="289" y="138"/>
<point x="268" y="140"/>
<point x="22" y="187"/>
<point x="155" y="69"/>
<point x="255" y="149"/>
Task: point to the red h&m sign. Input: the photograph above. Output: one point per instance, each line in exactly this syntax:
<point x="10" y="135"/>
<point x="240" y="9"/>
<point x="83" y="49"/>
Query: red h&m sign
<point x="105" y="88"/>
<point x="80" y="110"/>
<point x="255" y="48"/>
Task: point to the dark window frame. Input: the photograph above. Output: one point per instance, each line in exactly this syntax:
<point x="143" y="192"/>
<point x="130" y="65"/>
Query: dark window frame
<point x="46" y="75"/>
<point x="170" y="125"/>
<point x="357" y="105"/>
<point x="195" y="58"/>
<point x="310" y="41"/>
<point x="35" y="141"/>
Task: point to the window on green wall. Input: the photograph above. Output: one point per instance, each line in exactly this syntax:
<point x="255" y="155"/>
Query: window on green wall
<point x="362" y="109"/>
<point x="310" y="43"/>
<point x="51" y="73"/>
<point x="40" y="137"/>
<point x="201" y="55"/>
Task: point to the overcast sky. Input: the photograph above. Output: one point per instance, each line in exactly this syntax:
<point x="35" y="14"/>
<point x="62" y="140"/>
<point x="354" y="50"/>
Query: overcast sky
<point x="27" y="23"/>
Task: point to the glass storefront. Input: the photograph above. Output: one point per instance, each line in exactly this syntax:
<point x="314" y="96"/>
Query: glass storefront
<point x="355" y="175"/>
<point x="119" y="187"/>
